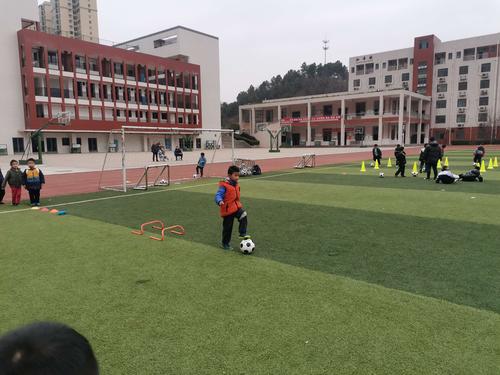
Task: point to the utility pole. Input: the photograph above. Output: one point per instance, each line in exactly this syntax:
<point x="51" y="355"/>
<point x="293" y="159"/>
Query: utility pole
<point x="326" y="47"/>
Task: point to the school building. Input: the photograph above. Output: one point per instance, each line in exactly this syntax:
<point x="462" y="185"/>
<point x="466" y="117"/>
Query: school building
<point x="448" y="90"/>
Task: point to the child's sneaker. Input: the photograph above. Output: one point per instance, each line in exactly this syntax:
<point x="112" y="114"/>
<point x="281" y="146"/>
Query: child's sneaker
<point x="245" y="237"/>
<point x="227" y="247"/>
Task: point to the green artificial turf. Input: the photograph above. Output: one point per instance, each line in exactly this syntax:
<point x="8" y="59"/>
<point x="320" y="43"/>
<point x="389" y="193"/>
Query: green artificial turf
<point x="353" y="274"/>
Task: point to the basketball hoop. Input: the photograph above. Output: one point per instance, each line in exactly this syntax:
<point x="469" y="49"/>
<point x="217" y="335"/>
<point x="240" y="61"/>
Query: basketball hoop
<point x="61" y="119"/>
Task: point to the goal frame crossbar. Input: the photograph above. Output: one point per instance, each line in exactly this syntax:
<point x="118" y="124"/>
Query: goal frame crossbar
<point x="152" y="130"/>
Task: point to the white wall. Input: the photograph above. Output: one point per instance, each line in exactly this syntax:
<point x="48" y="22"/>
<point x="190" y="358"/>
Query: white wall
<point x="202" y="50"/>
<point x="10" y="74"/>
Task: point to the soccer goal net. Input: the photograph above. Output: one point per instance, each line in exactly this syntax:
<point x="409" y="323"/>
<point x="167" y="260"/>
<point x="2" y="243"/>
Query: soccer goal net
<point x="140" y="157"/>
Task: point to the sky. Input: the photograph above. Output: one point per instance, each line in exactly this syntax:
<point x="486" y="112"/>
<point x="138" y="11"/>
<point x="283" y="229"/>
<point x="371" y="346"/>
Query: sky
<point x="260" y="39"/>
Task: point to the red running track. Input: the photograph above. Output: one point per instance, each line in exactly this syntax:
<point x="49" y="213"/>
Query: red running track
<point x="88" y="182"/>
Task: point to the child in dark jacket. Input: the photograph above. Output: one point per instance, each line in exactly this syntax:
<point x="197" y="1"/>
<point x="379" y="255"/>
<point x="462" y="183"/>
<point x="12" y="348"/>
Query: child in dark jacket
<point x="228" y="199"/>
<point x="14" y="177"/>
<point x="400" y="155"/>
<point x="33" y="179"/>
<point x="2" y="190"/>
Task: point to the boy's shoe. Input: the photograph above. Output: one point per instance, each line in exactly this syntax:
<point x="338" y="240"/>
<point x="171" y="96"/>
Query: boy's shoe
<point x="37" y="204"/>
<point x="227" y="247"/>
<point x="245" y="237"/>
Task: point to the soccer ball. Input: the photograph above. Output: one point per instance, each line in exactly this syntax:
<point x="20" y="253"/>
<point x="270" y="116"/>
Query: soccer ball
<point x="414" y="174"/>
<point x="195" y="176"/>
<point x="163" y="182"/>
<point x="247" y="247"/>
<point x="372" y="165"/>
<point x="381" y="175"/>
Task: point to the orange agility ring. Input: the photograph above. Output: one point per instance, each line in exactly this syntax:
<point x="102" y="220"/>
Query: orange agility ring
<point x="154" y="225"/>
<point x="159" y="225"/>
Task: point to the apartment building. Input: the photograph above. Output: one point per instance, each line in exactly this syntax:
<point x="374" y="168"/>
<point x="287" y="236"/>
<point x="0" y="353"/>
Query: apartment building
<point x="103" y="88"/>
<point x="70" y="18"/>
<point x="184" y="44"/>
<point x="461" y="77"/>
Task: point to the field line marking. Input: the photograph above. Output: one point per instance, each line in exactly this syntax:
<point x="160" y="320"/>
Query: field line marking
<point x="161" y="191"/>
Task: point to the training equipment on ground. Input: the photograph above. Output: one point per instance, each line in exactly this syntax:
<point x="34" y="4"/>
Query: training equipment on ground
<point x="54" y="211"/>
<point x="154" y="175"/>
<point x="363" y="167"/>
<point x="247" y="247"/>
<point x="446" y="162"/>
<point x="44" y="209"/>
<point x="35" y="208"/>
<point x="415" y="168"/>
<point x="206" y="140"/>
<point x="483" y="167"/>
<point x="381" y="174"/>
<point x="377" y="165"/>
<point x="160" y="226"/>
<point x="495" y="162"/>
<point x="414" y="174"/>
<point x="389" y="163"/>
<point x="490" y="164"/>
<point x="246" y="166"/>
<point x="306" y="161"/>
<point x="61" y="213"/>
<point x="439" y="165"/>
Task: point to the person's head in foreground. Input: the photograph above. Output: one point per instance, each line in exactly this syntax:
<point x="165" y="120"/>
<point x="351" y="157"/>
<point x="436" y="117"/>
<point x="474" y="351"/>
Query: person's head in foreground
<point x="46" y="349"/>
<point x="233" y="173"/>
<point x="14" y="164"/>
<point x="31" y="163"/>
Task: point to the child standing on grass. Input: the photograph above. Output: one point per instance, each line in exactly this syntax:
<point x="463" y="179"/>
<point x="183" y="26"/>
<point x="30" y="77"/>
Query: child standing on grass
<point x="14" y="177"/>
<point x="2" y="190"/>
<point x="202" y="161"/>
<point x="228" y="200"/>
<point x="33" y="179"/>
<point x="400" y="160"/>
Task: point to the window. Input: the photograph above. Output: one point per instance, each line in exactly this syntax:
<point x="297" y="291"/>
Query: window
<point x="440" y="119"/>
<point x="376" y="66"/>
<point x="356" y="83"/>
<point x="443" y="72"/>
<point x="450" y="55"/>
<point x="40" y="111"/>
<point x="327" y="135"/>
<point x="485" y="84"/>
<point x="92" y="144"/>
<point x="482" y="117"/>
<point x="360" y="69"/>
<point x="459" y="54"/>
<point x="51" y="144"/>
<point x="327" y="110"/>
<point x="469" y="54"/>
<point x="388" y="79"/>
<point x="296" y="114"/>
<point x="440" y="103"/>
<point x="440" y="58"/>
<point x="423" y="44"/>
<point x="462" y="103"/>
<point x="443" y="87"/>
<point x="461" y="118"/>
<point x="269" y="116"/>
<point x="165" y="41"/>
<point x="384" y="65"/>
<point x="484" y="100"/>
<point x="352" y="70"/>
<point x="462" y="86"/>
<point x="375" y="133"/>
<point x="371" y="81"/>
<point x="392" y="65"/>
<point x="485" y="67"/>
<point x="464" y="70"/>
<point x="405" y="76"/>
<point x="65" y="141"/>
<point x="18" y="145"/>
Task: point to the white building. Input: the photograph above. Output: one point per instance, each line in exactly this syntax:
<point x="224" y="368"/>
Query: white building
<point x="11" y="95"/>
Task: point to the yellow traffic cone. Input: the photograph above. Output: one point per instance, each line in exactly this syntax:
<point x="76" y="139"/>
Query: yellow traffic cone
<point x="495" y="163"/>
<point x="363" y="167"/>
<point x="440" y="166"/>
<point x="483" y="167"/>
<point x="446" y="162"/>
<point x="389" y="163"/>
<point x="490" y="164"/>
<point x="377" y="166"/>
<point x="415" y="168"/>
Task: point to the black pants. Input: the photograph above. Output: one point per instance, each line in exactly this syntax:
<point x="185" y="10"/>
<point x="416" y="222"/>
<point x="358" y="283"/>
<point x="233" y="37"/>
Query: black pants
<point x="421" y="167"/>
<point x="478" y="159"/>
<point x="2" y="194"/>
<point x="155" y="156"/>
<point x="379" y="161"/>
<point x="434" y="167"/>
<point x="177" y="157"/>
<point x="227" y="225"/>
<point x="34" y="196"/>
<point x="199" y="170"/>
<point x="401" y="170"/>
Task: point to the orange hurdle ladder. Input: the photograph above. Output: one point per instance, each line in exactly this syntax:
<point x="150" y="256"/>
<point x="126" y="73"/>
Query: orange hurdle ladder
<point x="174" y="229"/>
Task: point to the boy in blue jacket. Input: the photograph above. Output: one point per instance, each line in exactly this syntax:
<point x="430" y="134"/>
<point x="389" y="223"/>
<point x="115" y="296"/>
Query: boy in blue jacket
<point x="202" y="161"/>
<point x="228" y="200"/>
<point x="33" y="179"/>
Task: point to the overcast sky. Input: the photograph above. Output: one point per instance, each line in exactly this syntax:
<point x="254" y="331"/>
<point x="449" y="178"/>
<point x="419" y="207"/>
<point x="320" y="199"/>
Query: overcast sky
<point x="259" y="39"/>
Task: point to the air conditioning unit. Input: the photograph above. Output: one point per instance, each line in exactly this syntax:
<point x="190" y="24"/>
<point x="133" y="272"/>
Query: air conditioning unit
<point x="356" y="89"/>
<point x="484" y="92"/>
<point x="372" y="86"/>
<point x="460" y="125"/>
<point x="463" y="78"/>
<point x="462" y="94"/>
<point x="388" y="84"/>
<point x="440" y="96"/>
<point x="482" y="124"/>
<point x="483" y="109"/>
<point x="461" y="110"/>
<point x="484" y="75"/>
<point x="442" y="80"/>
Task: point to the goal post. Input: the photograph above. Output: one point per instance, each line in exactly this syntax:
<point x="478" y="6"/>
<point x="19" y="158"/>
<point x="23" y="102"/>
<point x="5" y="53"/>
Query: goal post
<point x="127" y="161"/>
<point x="149" y="179"/>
